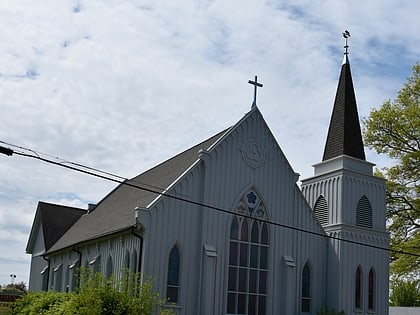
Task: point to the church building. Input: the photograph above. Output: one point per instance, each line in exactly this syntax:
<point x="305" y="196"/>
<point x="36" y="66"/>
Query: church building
<point x="224" y="228"/>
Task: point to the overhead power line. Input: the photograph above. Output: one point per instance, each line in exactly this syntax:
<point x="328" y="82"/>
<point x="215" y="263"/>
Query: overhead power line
<point x="162" y="192"/>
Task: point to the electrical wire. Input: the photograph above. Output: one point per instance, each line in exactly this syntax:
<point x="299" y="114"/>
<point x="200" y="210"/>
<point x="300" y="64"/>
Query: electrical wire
<point x="162" y="192"/>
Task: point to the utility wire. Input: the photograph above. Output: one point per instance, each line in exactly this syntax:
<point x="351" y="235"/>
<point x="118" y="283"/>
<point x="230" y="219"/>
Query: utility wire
<point x="162" y="192"/>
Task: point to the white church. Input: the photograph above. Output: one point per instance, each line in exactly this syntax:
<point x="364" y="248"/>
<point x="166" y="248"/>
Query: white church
<point x="223" y="227"/>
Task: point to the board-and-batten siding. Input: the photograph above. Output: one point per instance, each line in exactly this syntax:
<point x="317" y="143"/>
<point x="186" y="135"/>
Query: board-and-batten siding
<point x="346" y="260"/>
<point x="173" y="222"/>
<point x="274" y="180"/>
<point x="219" y="179"/>
<point x="115" y="247"/>
<point x="342" y="204"/>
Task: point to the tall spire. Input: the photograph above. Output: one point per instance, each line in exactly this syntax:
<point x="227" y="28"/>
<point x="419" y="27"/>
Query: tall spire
<point x="344" y="135"/>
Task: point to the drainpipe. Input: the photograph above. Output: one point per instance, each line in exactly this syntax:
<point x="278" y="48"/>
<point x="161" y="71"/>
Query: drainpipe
<point x="133" y="229"/>
<point x="48" y="274"/>
<point x="80" y="263"/>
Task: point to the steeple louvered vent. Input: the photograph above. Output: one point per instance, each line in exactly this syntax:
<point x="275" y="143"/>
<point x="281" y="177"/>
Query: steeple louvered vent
<point x="321" y="210"/>
<point x="364" y="213"/>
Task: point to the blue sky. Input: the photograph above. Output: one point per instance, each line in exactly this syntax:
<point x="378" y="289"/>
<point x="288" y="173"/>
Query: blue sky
<point x="124" y="85"/>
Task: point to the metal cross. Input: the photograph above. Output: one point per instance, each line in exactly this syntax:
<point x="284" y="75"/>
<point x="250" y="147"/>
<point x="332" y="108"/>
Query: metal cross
<point x="256" y="85"/>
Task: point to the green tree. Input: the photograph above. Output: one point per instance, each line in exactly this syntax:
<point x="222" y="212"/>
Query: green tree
<point x="405" y="293"/>
<point x="20" y="286"/>
<point x="394" y="130"/>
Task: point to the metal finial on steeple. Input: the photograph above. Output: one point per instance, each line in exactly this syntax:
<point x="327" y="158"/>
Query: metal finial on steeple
<point x="346" y="35"/>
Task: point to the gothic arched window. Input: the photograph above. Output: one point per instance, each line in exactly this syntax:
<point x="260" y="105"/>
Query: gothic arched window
<point x="358" y="288"/>
<point x="133" y="262"/>
<point x="371" y="289"/>
<point x="172" y="284"/>
<point x="306" y="288"/>
<point x="248" y="258"/>
<point x="126" y="260"/>
<point x="364" y="213"/>
<point x="109" y="267"/>
<point x="321" y="210"/>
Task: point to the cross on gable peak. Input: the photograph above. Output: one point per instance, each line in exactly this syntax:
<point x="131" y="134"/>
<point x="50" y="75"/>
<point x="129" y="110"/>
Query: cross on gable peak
<point x="256" y="85"/>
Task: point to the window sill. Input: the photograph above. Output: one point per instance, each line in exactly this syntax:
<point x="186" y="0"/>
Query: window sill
<point x="171" y="305"/>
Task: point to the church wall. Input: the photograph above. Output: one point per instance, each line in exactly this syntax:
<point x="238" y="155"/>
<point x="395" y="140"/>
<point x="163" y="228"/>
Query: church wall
<point x="171" y="223"/>
<point x="35" y="277"/>
<point x="343" y="203"/>
<point x="348" y="257"/>
<point x="228" y="176"/>
<point x="220" y="178"/>
<point x="37" y="262"/>
<point x="64" y="265"/>
<point x="342" y="190"/>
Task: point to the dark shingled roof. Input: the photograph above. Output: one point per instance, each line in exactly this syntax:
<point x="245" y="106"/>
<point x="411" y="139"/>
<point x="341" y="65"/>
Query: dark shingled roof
<point x="116" y="211"/>
<point x="344" y="135"/>
<point x="55" y="220"/>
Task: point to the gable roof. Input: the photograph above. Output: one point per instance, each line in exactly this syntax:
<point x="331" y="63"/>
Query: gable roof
<point x="344" y="135"/>
<point x="55" y="221"/>
<point x="116" y="211"/>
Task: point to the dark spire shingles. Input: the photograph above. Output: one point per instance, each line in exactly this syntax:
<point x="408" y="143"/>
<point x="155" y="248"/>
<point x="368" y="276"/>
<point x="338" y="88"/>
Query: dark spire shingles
<point x="344" y="135"/>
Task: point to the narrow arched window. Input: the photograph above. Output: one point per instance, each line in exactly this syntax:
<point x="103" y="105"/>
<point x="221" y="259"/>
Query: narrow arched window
<point x="172" y="285"/>
<point x="248" y="258"/>
<point x="358" y="288"/>
<point x="126" y="260"/>
<point x="371" y="289"/>
<point x="109" y="267"/>
<point x="321" y="210"/>
<point x="364" y="213"/>
<point x="133" y="262"/>
<point x="306" y="288"/>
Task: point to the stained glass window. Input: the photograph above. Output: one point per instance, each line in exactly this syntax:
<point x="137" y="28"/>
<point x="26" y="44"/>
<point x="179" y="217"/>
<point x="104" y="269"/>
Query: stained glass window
<point x="371" y="290"/>
<point x="172" y="286"/>
<point x="358" y="288"/>
<point x="306" y="289"/>
<point x="248" y="258"/>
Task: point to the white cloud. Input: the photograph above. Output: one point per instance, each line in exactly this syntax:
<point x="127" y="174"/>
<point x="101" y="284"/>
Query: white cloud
<point x="122" y="86"/>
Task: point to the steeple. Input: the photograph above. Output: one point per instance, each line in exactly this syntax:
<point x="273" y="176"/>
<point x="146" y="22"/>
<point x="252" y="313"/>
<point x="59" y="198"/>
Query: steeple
<point x="344" y="135"/>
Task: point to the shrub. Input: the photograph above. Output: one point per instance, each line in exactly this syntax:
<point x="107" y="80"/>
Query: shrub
<point x="37" y="302"/>
<point x="324" y="310"/>
<point x="97" y="295"/>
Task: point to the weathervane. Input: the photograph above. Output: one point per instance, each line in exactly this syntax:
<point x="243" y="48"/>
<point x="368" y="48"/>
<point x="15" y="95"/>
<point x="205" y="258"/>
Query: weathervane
<point x="346" y="35"/>
<point x="256" y="85"/>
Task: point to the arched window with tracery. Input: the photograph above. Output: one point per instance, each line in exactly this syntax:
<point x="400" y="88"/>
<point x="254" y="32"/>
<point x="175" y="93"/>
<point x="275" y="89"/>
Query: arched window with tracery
<point x="172" y="283"/>
<point x="358" y="288"/>
<point x="248" y="257"/>
<point x="371" y="290"/>
<point x="306" y="289"/>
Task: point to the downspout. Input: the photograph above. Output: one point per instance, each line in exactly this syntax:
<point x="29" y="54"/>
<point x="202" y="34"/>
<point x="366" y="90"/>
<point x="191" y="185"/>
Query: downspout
<point x="48" y="274"/>
<point x="133" y="229"/>
<point x="80" y="263"/>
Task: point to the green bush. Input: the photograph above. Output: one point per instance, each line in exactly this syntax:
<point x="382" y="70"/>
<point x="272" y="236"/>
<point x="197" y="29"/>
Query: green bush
<point x="38" y="302"/>
<point x="405" y="293"/>
<point x="324" y="310"/>
<point x="97" y="295"/>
